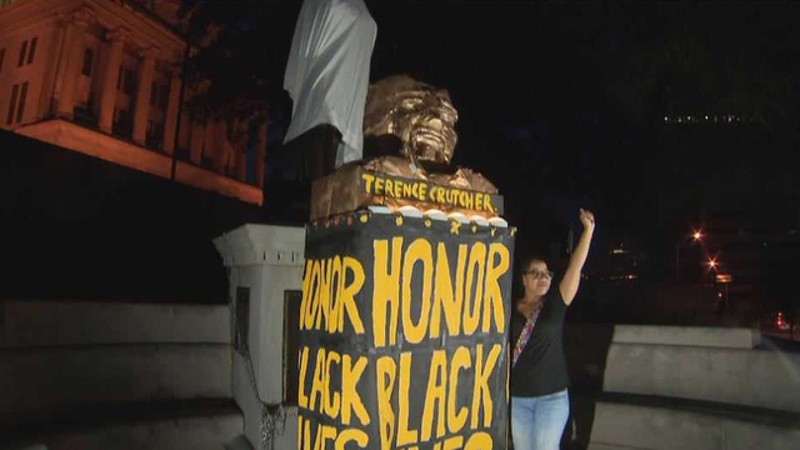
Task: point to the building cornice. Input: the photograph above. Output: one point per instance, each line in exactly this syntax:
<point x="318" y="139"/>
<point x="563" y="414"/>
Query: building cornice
<point x="145" y="30"/>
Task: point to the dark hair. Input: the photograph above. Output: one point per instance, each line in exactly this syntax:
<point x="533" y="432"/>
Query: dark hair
<point x="526" y="261"/>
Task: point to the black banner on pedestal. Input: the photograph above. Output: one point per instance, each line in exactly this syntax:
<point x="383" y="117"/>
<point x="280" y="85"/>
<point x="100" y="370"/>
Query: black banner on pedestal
<point x="403" y="334"/>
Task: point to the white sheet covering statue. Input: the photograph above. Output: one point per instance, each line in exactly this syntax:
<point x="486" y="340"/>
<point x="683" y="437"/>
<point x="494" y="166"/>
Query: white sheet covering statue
<point x="327" y="75"/>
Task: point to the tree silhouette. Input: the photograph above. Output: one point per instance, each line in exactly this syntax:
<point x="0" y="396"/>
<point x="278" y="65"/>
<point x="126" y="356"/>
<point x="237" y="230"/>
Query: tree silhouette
<point x="239" y="55"/>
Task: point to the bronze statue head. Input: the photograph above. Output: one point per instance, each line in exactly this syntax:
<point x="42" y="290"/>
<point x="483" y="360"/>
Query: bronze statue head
<point x="421" y="116"/>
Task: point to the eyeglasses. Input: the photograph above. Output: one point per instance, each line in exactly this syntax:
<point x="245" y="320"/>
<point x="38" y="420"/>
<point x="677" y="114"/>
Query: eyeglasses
<point x="539" y="274"/>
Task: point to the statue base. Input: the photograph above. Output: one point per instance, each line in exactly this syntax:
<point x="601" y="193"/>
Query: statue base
<point x="395" y="182"/>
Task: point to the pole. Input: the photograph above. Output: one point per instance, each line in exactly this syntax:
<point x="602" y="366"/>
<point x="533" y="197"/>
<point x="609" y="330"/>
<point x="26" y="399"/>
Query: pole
<point x="727" y="299"/>
<point x="184" y="65"/>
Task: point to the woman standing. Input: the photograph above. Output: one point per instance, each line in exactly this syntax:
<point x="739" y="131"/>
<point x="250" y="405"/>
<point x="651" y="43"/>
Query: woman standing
<point x="539" y="398"/>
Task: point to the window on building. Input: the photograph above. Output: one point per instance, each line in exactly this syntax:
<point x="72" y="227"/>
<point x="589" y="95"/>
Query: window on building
<point x="155" y="135"/>
<point x="163" y="97"/>
<point x="32" y="50"/>
<point x="153" y="93"/>
<point x="122" y="126"/>
<point x="2" y="58"/>
<point x="121" y="115"/>
<point x="127" y="82"/>
<point x="23" y="95"/>
<point x="16" y="108"/>
<point x="88" y="61"/>
<point x="22" y="51"/>
<point x="12" y="105"/>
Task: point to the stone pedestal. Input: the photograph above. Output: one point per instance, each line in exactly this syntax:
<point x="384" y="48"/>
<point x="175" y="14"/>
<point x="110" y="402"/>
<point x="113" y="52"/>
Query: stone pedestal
<point x="265" y="266"/>
<point x="403" y="333"/>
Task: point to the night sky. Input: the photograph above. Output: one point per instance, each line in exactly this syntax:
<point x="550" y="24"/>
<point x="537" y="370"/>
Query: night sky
<point x="564" y="103"/>
<point x="568" y="104"/>
<point x="561" y="105"/>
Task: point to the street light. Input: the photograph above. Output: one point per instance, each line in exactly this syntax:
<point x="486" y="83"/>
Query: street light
<point x="697" y="236"/>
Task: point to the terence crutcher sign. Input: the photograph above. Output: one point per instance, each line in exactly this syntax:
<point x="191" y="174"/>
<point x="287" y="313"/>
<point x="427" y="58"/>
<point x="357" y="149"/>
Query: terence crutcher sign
<point x="403" y="340"/>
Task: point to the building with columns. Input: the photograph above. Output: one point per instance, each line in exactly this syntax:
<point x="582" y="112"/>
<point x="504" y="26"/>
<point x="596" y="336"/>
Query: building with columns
<point x="103" y="77"/>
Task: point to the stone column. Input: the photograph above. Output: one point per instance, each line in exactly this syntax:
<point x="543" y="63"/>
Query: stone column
<point x="144" y="81"/>
<point x="108" y="96"/>
<point x="72" y="55"/>
<point x="261" y="154"/>
<point x="171" y="120"/>
<point x="265" y="265"/>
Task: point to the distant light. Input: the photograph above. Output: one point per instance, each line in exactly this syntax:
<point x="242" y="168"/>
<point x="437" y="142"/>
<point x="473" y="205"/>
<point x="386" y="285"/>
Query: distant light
<point x="723" y="278"/>
<point x="666" y="119"/>
<point x="712" y="263"/>
<point x="706" y="117"/>
<point x="697" y="235"/>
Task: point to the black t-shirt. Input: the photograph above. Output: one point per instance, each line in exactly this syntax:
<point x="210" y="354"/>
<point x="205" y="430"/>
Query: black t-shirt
<point x="541" y="368"/>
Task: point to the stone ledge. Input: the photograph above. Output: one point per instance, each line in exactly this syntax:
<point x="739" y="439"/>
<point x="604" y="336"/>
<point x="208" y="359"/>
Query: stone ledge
<point x="36" y="380"/>
<point x="758" y="378"/>
<point x="763" y="416"/>
<point x="255" y="244"/>
<point x="110" y="148"/>
<point x="658" y="423"/>
<point x="687" y="336"/>
<point x="179" y="424"/>
<point x="28" y="323"/>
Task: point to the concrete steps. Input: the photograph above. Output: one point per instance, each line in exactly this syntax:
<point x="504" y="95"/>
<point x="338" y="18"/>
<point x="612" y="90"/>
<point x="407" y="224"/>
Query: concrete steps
<point x="43" y="323"/>
<point x="48" y="378"/>
<point x="100" y="375"/>
<point x="193" y="424"/>
<point x="718" y="365"/>
<point x="662" y="387"/>
<point x="626" y="422"/>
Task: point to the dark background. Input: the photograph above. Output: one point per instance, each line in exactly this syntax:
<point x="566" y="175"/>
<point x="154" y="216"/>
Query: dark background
<point x="561" y="105"/>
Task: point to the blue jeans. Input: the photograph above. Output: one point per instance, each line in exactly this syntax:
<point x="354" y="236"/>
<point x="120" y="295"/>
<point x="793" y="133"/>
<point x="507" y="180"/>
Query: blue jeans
<point x="537" y="423"/>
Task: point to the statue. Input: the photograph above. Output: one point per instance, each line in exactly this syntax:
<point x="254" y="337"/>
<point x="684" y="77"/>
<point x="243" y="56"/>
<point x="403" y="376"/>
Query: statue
<point x="393" y="237"/>
<point x="421" y="116"/>
<point x="409" y="138"/>
<point x="409" y="118"/>
<point x="327" y="77"/>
